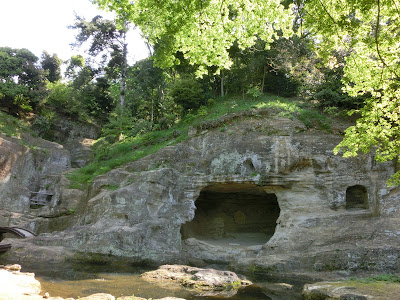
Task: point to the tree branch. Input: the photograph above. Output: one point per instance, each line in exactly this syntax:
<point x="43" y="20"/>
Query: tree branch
<point x="378" y="51"/>
<point x="327" y="12"/>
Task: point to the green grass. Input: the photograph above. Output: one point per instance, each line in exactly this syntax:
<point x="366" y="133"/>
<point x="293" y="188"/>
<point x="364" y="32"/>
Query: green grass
<point x="297" y="109"/>
<point x="12" y="126"/>
<point x="110" y="156"/>
<point x="382" y="277"/>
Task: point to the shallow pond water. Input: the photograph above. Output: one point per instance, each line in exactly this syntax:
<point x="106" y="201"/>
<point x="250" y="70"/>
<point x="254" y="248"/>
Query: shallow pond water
<point x="81" y="284"/>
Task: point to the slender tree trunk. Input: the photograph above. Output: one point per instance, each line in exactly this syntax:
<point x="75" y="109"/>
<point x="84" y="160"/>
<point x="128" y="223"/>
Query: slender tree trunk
<point x="152" y="109"/>
<point x="123" y="74"/>
<point x="160" y="93"/>
<point x="122" y="90"/>
<point x="263" y="80"/>
<point x="222" y="83"/>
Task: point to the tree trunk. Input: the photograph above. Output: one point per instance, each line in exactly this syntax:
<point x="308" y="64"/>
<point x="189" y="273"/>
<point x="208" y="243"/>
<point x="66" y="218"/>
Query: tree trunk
<point x="263" y="80"/>
<point x="123" y="74"/>
<point x="122" y="89"/>
<point x="222" y="83"/>
<point x="152" y="110"/>
<point x="160" y="93"/>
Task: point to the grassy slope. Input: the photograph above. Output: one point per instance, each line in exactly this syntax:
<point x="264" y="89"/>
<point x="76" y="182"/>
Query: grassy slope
<point x="11" y="126"/>
<point x="108" y="157"/>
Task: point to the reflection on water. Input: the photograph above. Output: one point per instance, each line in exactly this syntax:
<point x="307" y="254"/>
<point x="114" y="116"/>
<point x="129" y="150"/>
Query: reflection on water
<point x="93" y="280"/>
<point x="127" y="285"/>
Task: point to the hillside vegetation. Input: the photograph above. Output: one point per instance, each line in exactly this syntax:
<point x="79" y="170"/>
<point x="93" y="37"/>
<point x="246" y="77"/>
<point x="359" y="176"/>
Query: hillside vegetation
<point x="108" y="156"/>
<point x="109" y="153"/>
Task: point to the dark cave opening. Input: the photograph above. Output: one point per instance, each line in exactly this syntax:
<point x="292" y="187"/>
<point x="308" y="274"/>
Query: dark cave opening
<point x="357" y="197"/>
<point x="235" y="214"/>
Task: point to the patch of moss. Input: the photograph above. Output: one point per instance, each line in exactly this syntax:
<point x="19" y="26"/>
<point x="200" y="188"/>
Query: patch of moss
<point x="259" y="273"/>
<point x="112" y="187"/>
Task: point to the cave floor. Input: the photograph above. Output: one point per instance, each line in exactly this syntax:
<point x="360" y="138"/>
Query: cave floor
<point x="238" y="239"/>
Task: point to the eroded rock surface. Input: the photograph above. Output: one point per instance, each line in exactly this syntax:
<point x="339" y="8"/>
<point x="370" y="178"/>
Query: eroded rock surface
<point x="197" y="202"/>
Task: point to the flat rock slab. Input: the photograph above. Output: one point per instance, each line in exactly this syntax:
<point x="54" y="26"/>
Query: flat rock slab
<point x="352" y="290"/>
<point x="17" y="285"/>
<point x="203" y="280"/>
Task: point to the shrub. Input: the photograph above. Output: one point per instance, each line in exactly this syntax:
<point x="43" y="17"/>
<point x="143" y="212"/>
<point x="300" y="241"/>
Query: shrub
<point x="188" y="93"/>
<point x="254" y="92"/>
<point x="202" y="111"/>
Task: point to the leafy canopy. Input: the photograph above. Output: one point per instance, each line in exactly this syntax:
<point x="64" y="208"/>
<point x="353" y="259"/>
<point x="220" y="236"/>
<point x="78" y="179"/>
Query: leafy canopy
<point x="202" y="30"/>
<point x="371" y="32"/>
<point x="21" y="79"/>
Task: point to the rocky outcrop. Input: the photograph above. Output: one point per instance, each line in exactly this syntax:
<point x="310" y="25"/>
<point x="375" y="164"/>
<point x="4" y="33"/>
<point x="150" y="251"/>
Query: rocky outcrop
<point x="206" y="282"/>
<point x="263" y="195"/>
<point x="30" y="171"/>
<point x="76" y="137"/>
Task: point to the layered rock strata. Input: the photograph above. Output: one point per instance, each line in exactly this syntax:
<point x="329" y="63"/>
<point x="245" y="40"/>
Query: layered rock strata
<point x="273" y="198"/>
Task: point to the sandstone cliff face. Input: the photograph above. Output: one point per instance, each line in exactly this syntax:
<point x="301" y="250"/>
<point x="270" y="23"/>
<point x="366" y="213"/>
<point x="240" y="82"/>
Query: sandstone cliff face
<point x="262" y="195"/>
<point x="29" y="166"/>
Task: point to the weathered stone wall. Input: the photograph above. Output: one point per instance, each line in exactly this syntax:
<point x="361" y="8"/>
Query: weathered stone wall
<point x="28" y="165"/>
<point x="141" y="220"/>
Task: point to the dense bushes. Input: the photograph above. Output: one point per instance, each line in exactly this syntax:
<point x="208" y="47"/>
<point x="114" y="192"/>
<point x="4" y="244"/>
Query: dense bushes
<point x="188" y="93"/>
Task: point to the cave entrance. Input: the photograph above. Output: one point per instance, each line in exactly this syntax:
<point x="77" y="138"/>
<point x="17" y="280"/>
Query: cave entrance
<point x="233" y="214"/>
<point x="357" y="197"/>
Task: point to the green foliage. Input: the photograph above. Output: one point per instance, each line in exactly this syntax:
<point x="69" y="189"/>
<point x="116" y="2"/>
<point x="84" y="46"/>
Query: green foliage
<point x="42" y="125"/>
<point x="22" y="102"/>
<point x="75" y="64"/>
<point x="202" y="111"/>
<point x="145" y="91"/>
<point x="313" y="118"/>
<point x="112" y="187"/>
<point x="21" y="80"/>
<point x="330" y="91"/>
<point x="83" y="98"/>
<point x="188" y="93"/>
<point x="202" y="31"/>
<point x="254" y="92"/>
<point x="93" y="83"/>
<point x="126" y="125"/>
<point x="377" y="127"/>
<point x="382" y="277"/>
<point x="65" y="100"/>
<point x="102" y="33"/>
<point x="293" y="109"/>
<point x="366" y="30"/>
<point x="51" y="64"/>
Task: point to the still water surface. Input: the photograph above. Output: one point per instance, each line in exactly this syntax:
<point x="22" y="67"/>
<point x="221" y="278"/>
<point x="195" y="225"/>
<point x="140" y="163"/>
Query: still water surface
<point x="127" y="284"/>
